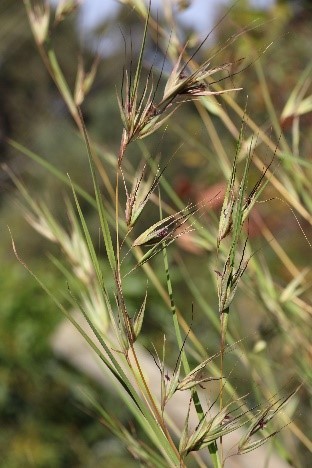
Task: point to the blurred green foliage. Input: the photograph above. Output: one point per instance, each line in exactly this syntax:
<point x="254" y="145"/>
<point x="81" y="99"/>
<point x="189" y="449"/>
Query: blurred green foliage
<point x="42" y="418"/>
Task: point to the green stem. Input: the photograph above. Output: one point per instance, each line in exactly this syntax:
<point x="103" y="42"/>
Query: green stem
<point x="224" y="325"/>
<point x="213" y="449"/>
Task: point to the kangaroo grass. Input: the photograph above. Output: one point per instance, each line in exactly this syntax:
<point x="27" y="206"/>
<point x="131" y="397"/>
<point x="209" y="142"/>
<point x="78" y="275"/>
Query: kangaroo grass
<point x="146" y="104"/>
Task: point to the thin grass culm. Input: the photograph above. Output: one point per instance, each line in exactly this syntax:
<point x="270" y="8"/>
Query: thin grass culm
<point x="197" y="260"/>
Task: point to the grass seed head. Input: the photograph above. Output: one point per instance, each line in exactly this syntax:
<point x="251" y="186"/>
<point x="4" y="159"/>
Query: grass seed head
<point x="228" y="280"/>
<point x="84" y="81"/>
<point x="140" y="194"/>
<point x="211" y="429"/>
<point x="260" y="421"/>
<point x="65" y="8"/>
<point x="39" y="17"/>
<point x="138" y="320"/>
<point x="141" y="114"/>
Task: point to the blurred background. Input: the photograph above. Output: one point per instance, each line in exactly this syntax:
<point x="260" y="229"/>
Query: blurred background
<point x="43" y="421"/>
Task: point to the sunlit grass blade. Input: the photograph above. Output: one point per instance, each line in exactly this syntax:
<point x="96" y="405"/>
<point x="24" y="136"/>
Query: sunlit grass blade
<point x="89" y="241"/>
<point x="100" y="205"/>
